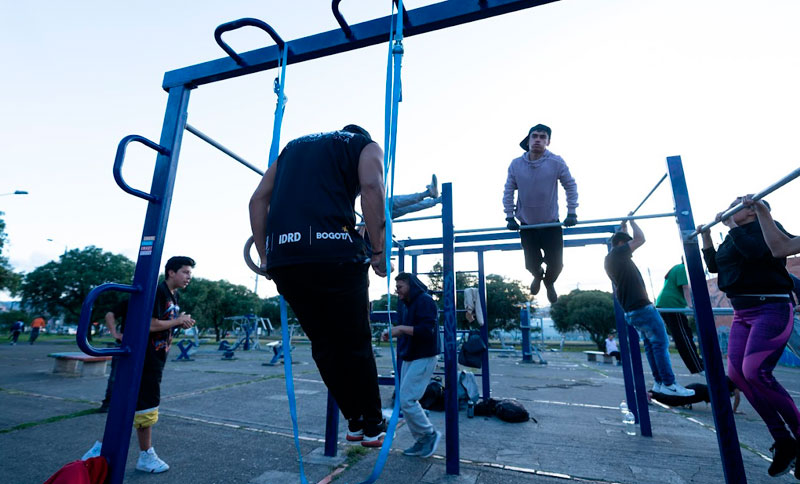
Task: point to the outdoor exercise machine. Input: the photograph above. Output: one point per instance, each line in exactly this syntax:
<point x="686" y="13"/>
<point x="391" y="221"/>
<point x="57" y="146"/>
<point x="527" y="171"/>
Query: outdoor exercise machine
<point x="179" y="84"/>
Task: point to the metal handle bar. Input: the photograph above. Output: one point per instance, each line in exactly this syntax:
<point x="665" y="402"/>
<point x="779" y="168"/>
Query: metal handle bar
<point x="220" y="147"/>
<point x="758" y="196"/>
<point x="120" y="157"/>
<point x="82" y="333"/>
<point x="348" y="32"/>
<point x="580" y="222"/>
<point x="249" y="261"/>
<point x="245" y="22"/>
<point x="651" y="192"/>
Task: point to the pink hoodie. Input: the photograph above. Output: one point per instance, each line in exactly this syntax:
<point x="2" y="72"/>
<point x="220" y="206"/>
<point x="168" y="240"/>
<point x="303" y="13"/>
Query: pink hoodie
<point x="535" y="181"/>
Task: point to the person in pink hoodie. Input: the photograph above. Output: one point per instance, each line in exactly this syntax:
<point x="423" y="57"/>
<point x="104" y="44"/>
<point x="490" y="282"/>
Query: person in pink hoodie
<point x="535" y="176"/>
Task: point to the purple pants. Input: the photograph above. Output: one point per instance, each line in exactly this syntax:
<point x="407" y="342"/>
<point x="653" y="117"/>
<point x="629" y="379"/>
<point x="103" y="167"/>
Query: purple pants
<point x="758" y="337"/>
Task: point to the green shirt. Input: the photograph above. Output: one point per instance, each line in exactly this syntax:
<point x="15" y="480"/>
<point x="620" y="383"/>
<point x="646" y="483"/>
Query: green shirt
<point x="672" y="294"/>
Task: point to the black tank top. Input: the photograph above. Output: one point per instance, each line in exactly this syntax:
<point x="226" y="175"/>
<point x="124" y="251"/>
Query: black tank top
<point x="311" y="213"/>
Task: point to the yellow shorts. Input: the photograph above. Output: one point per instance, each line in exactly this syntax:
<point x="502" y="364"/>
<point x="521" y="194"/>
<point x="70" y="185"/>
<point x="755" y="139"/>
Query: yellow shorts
<point x="143" y="419"/>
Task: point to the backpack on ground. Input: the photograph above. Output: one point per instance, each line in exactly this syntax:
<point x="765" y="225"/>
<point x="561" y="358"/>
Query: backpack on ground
<point x="510" y="410"/>
<point x="433" y="398"/>
<point x="472" y="350"/>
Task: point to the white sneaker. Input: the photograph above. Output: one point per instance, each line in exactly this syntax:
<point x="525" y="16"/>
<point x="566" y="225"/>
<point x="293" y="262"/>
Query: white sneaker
<point x="657" y="387"/>
<point x="433" y="188"/>
<point x="676" y="390"/>
<point x="94" y="451"/>
<point x="149" y="462"/>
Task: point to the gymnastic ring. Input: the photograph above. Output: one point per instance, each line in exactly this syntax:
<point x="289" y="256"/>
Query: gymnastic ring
<point x="249" y="261"/>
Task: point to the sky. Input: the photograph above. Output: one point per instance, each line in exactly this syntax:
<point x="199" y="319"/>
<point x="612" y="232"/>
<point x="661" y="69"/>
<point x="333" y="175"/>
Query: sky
<point x="622" y="83"/>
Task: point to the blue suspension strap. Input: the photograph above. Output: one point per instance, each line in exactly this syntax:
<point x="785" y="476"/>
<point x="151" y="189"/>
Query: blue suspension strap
<point x="393" y="98"/>
<point x="287" y="343"/>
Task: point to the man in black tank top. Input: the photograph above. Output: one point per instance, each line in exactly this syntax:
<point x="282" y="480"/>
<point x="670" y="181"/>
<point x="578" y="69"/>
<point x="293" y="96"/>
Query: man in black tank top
<point x="303" y="219"/>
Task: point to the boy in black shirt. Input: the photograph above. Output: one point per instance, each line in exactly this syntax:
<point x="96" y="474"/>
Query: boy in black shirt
<point x="639" y="312"/>
<point x="166" y="316"/>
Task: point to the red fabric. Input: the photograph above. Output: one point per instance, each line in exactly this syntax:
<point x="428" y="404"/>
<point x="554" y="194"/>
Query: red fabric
<point x="91" y="471"/>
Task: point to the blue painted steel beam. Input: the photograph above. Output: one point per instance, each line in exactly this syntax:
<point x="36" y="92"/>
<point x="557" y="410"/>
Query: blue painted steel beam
<point x="508" y="235"/>
<point x="514" y="246"/>
<point x="420" y="20"/>
<point x="119" y="422"/>
<point x="450" y="345"/>
<point x="727" y="437"/>
<point x="485" y="382"/>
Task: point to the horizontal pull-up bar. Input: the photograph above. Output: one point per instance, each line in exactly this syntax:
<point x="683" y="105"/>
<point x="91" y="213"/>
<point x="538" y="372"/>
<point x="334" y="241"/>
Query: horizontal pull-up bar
<point x="717" y="311"/>
<point x="559" y="224"/>
<point x="417" y="21"/>
<point x="739" y="206"/>
<point x="223" y="149"/>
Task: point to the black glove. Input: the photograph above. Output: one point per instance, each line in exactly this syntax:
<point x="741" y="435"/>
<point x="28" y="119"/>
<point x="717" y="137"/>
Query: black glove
<point x="571" y="220"/>
<point x="512" y="223"/>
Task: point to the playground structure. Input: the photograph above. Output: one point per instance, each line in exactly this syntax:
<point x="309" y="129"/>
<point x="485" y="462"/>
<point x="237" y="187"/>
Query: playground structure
<point x="179" y="84"/>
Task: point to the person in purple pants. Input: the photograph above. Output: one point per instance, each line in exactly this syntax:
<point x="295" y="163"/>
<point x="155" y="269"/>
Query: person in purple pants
<point x="759" y="287"/>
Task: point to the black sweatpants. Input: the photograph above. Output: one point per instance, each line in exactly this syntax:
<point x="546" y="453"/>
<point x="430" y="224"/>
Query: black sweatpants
<point x="543" y="245"/>
<point x="678" y="325"/>
<point x="331" y="302"/>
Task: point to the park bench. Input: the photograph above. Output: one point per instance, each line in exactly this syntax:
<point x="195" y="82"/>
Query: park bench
<point x="79" y="364"/>
<point x="592" y="356"/>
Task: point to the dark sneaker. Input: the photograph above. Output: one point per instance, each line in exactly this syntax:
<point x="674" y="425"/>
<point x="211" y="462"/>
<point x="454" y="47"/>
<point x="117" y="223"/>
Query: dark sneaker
<point x="797" y="463"/>
<point x="430" y="443"/>
<point x="415" y="449"/>
<point x="374" y="434"/>
<point x="433" y="188"/>
<point x="355" y="430"/>
<point x="552" y="296"/>
<point x="784" y="453"/>
<point x="536" y="285"/>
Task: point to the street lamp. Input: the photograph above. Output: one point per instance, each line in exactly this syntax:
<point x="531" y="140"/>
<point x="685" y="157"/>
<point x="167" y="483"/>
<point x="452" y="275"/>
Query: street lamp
<point x="15" y="192"/>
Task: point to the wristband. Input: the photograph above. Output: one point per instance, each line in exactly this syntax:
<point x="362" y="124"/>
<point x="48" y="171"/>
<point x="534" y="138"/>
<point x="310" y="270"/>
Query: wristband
<point x="377" y="253"/>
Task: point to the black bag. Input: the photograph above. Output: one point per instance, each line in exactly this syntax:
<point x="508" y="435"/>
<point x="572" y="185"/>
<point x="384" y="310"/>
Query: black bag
<point x="510" y="410"/>
<point x="433" y="398"/>
<point x="485" y="408"/>
<point x="472" y="350"/>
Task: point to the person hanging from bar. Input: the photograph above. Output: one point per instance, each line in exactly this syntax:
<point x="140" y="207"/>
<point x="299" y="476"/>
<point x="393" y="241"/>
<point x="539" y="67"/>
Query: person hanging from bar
<point x="759" y="287"/>
<point x="676" y="294"/>
<point x="535" y="176"/>
<point x="303" y="219"/>
<point x="639" y="311"/>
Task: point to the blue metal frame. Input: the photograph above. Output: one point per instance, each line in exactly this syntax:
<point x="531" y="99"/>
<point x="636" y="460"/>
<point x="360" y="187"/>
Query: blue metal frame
<point x="450" y="326"/>
<point x="727" y="437"/>
<point x="119" y="422"/>
<point x="417" y="21"/>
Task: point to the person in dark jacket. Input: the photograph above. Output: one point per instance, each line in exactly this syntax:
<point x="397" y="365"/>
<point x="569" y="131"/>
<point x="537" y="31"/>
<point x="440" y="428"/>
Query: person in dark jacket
<point x="759" y="287"/>
<point x="418" y="347"/>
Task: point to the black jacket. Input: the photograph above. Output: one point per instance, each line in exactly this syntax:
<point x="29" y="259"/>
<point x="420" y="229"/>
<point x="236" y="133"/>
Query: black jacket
<point x="745" y="265"/>
<point x="421" y="313"/>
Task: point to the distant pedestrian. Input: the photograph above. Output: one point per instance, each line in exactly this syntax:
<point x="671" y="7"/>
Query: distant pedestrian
<point x="611" y="347"/>
<point x="118" y="313"/>
<point x="36" y="326"/>
<point x="16" y="329"/>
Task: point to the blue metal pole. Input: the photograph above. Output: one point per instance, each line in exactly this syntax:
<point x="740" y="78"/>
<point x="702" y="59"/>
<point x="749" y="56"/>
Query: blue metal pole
<point x="331" y="427"/>
<point x="414" y="264"/>
<point x="486" y="380"/>
<point x="643" y="416"/>
<point x="625" y="352"/>
<point x="117" y="435"/>
<point x="727" y="437"/>
<point x="450" y="346"/>
<point x="525" y="327"/>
